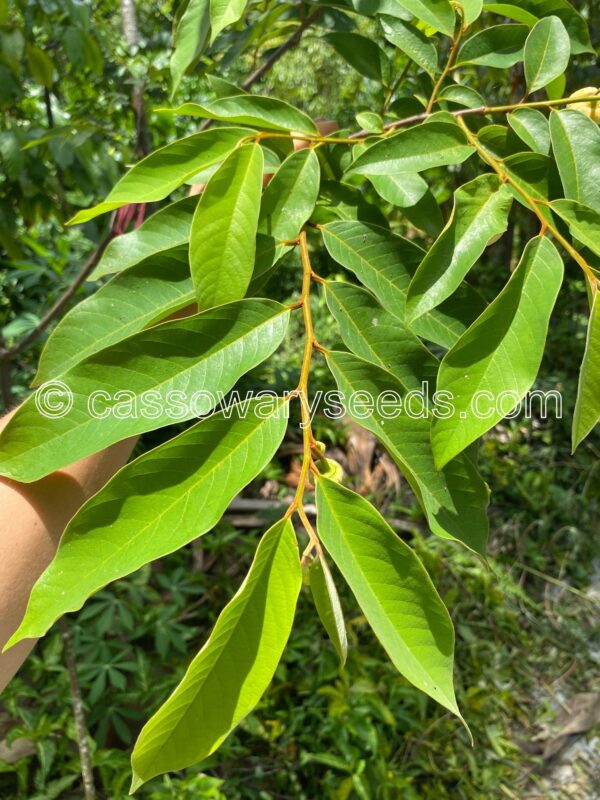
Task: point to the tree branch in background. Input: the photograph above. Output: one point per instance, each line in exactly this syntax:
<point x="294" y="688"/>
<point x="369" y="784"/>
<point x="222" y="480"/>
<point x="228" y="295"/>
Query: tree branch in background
<point x="132" y="37"/>
<point x="89" y="790"/>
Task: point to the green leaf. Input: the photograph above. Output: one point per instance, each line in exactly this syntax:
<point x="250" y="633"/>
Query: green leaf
<point x="40" y="65"/>
<point x="198" y="357"/>
<point x="155" y="505"/>
<point x="480" y="214"/>
<point x="530" y="11"/>
<point x="328" y="606"/>
<point x="287" y="203"/>
<point x="500" y="353"/>
<point x="363" y="54"/>
<point x="163" y="231"/>
<point x="406" y="37"/>
<point x="374" y="334"/>
<point x="434" y="144"/>
<point x="587" y="406"/>
<point x="437" y="13"/>
<point x="464" y="96"/>
<point x="128" y="303"/>
<point x="223" y="235"/>
<point x="224" y="13"/>
<point x="535" y="173"/>
<point x="234" y="668"/>
<point x="499" y="46"/>
<point x="191" y="37"/>
<point x="403" y="190"/>
<point x="425" y="215"/>
<point x="157" y="175"/>
<point x="583" y="222"/>
<point x="385" y="264"/>
<point x="369" y="121"/>
<point x="471" y="10"/>
<point x="455" y="498"/>
<point x="256" y="110"/>
<point x="512" y="12"/>
<point x="531" y="126"/>
<point x="546" y="54"/>
<point x="576" y="145"/>
<point x="392" y="588"/>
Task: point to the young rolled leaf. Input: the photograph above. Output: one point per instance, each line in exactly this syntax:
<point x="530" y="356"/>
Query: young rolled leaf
<point x="499" y="46"/>
<point x="251" y="109"/>
<point x="531" y="126"/>
<point x="223" y="234"/>
<point x="328" y="606"/>
<point x="224" y="13"/>
<point x="494" y="364"/>
<point x="392" y="588"/>
<point x="234" y="668"/>
<point x="154" y="505"/>
<point x="287" y="203"/>
<point x="130" y="302"/>
<point x="191" y="37"/>
<point x="374" y="334"/>
<point x="165" y="230"/>
<point x="432" y="144"/>
<point x="576" y="145"/>
<point x="157" y="175"/>
<point x="175" y="371"/>
<point x="455" y="498"/>
<point x="480" y="213"/>
<point x="546" y="53"/>
<point x="439" y="14"/>
<point x="385" y="264"/>
<point x="587" y="406"/>
<point x="583" y="222"/>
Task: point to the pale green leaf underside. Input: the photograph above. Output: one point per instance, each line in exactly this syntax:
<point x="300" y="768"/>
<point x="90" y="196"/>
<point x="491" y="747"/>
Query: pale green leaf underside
<point x="437" y="13"/>
<point x="257" y="110"/>
<point x="154" y="505"/>
<point x="223" y="234"/>
<point x="128" y="303"/>
<point x="234" y="668"/>
<point x="160" y="173"/>
<point x="200" y="357"/>
<point x="500" y="353"/>
<point x="455" y="498"/>
<point x="480" y="213"/>
<point x="328" y="606"/>
<point x="392" y="588"/>
<point x="576" y="145"/>
<point x="374" y="334"/>
<point x="531" y="126"/>
<point x="434" y="144"/>
<point x="546" y="53"/>
<point x="385" y="264"/>
<point x="587" y="407"/>
<point x="168" y="228"/>
<point x="224" y="13"/>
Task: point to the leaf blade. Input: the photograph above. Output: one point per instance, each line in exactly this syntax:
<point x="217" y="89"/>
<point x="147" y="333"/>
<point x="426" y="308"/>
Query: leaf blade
<point x="154" y="505"/>
<point x="587" y="406"/>
<point x="546" y="53"/>
<point x="226" y="679"/>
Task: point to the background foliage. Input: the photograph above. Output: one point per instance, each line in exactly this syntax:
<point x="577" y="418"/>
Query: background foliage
<point x="67" y="80"/>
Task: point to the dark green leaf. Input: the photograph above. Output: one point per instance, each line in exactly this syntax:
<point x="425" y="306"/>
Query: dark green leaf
<point x="363" y="54"/>
<point x="587" y="407"/>
<point x="408" y="38"/>
<point x="583" y="222"/>
<point x="546" y="53"/>
<point x="498" y="46"/>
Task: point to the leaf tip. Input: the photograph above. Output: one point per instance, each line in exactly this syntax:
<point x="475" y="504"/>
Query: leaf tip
<point x="136" y="782"/>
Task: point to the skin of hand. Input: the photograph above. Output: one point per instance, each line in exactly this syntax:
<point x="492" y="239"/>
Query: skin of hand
<point x="33" y="516"/>
<point x="32" y="519"/>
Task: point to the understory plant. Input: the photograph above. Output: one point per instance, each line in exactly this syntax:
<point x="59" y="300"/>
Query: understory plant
<point x="428" y="368"/>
